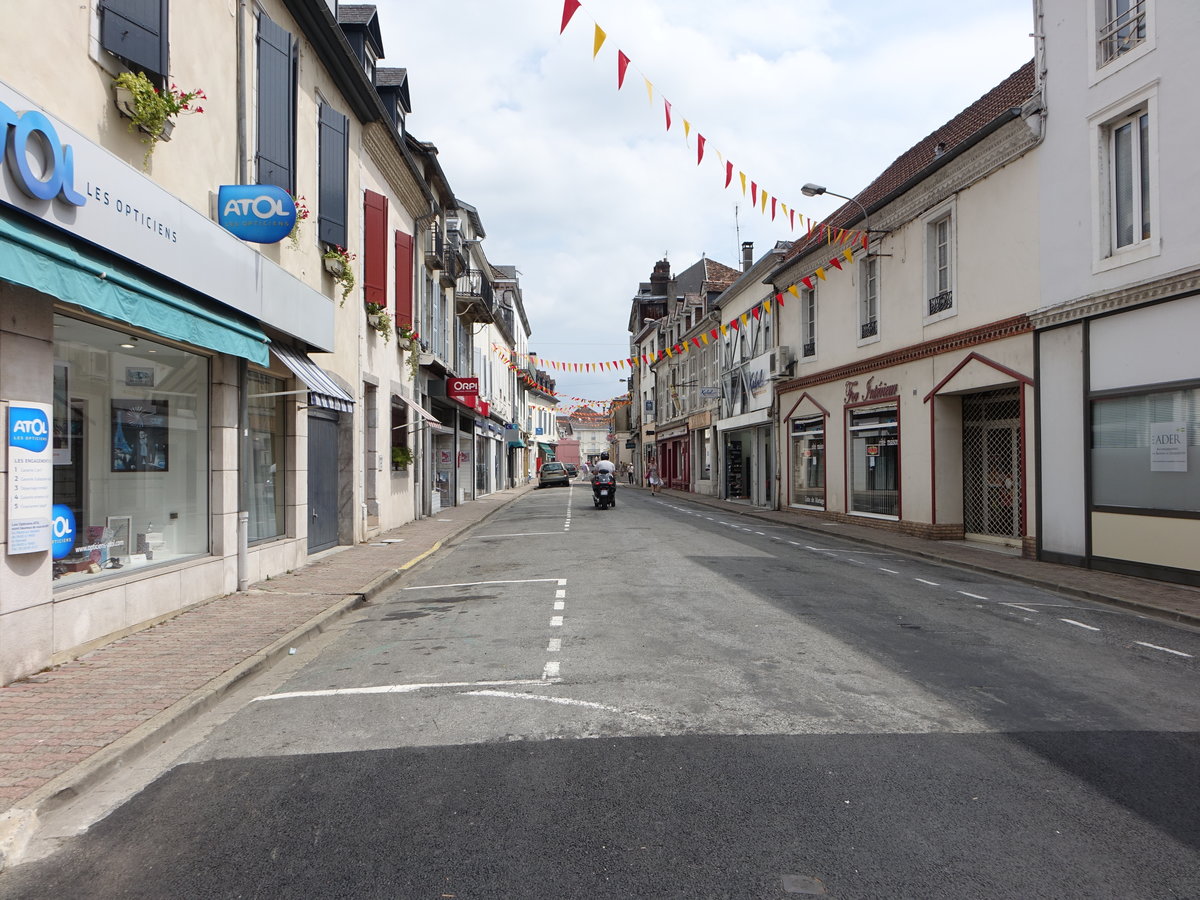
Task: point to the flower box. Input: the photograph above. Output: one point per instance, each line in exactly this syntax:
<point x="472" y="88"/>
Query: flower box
<point x="334" y="267"/>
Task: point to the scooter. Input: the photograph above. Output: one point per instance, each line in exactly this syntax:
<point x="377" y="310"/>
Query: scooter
<point x="604" y="490"/>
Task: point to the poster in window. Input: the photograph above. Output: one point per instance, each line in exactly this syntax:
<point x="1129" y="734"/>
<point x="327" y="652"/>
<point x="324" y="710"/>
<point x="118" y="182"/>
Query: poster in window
<point x="1168" y="446"/>
<point x="139" y="436"/>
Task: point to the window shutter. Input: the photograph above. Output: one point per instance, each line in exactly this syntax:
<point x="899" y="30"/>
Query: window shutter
<point x="276" y="105"/>
<point x="404" y="279"/>
<point x="334" y="145"/>
<point x="136" y="31"/>
<point x="375" y="247"/>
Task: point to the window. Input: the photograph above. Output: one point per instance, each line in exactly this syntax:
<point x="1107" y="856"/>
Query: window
<point x="135" y="31"/>
<point x="808" y="462"/>
<point x="334" y="147"/>
<point x="375" y="255"/>
<point x="1123" y="28"/>
<point x="1129" y="155"/>
<point x="868" y="310"/>
<point x="940" y="267"/>
<point x="267" y="469"/>
<point x="131" y="451"/>
<point x="1146" y="450"/>
<point x="808" y="321"/>
<point x="276" y="102"/>
<point x="875" y="463"/>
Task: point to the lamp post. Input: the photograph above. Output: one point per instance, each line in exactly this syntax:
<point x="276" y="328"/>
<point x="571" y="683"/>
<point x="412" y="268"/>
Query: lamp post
<point x="815" y="190"/>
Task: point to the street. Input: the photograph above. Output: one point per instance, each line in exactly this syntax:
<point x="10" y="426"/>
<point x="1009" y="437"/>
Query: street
<point x="654" y="701"/>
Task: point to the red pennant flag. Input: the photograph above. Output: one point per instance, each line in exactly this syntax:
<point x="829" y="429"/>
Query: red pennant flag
<point x="569" y="7"/>
<point x="734" y="324"/>
<point x="754" y="193"/>
<point x="696" y="341"/>
<point x="622" y="65"/>
<point x="667" y="107"/>
<point x="836" y="263"/>
<point x="699" y="147"/>
<point x="792" y="216"/>
<point x="807" y="282"/>
<point x="713" y="334"/>
<point x="757" y="311"/>
<point x="728" y="173"/>
<point x="772" y="209"/>
<point x="866" y="240"/>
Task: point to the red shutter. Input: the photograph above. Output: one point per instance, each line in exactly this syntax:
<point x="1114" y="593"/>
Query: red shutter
<point x="404" y="279"/>
<point x="375" y="248"/>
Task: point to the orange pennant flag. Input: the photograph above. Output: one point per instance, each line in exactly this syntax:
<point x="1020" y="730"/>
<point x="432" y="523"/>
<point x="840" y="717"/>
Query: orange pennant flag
<point x="599" y="41"/>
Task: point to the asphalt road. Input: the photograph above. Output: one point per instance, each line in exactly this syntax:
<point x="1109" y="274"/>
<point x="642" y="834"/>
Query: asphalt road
<point x="658" y="701"/>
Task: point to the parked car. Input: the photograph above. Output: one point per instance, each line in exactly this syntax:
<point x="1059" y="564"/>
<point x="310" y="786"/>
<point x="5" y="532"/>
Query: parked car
<point x="571" y="470"/>
<point x="553" y="473"/>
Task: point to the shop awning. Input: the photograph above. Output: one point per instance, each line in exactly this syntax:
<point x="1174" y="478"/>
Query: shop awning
<point x="418" y="409"/>
<point x="323" y="391"/>
<point x="61" y="268"/>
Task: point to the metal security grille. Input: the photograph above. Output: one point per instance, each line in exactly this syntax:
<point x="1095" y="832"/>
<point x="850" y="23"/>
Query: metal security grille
<point x="992" y="463"/>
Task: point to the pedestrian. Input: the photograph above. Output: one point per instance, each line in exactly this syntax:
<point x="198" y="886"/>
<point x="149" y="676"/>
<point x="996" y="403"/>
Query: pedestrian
<point x="629" y="471"/>
<point x="652" y="477"/>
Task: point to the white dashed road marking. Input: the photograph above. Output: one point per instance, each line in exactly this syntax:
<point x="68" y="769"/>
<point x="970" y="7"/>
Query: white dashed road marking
<point x="930" y="583"/>
<point x="1018" y="606"/>
<point x="1164" y="649"/>
<point x="396" y="689"/>
<point x="1079" y="624"/>
<point x="972" y="596"/>
<point x="565" y="701"/>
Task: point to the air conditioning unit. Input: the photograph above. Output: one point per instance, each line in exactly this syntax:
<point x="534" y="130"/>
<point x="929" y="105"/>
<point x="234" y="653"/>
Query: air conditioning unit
<point x="454" y="224"/>
<point x="780" y="361"/>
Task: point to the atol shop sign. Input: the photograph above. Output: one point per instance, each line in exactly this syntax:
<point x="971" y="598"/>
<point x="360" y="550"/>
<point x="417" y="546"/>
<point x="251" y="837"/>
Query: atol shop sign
<point x="42" y="166"/>
<point x="30" y="477"/>
<point x="258" y="213"/>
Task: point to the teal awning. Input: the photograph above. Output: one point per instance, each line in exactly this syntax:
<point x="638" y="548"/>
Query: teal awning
<point x="57" y="266"/>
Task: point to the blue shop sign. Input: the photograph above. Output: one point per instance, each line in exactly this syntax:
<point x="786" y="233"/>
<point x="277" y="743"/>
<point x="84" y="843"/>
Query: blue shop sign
<point x="258" y="213"/>
<point x="62" y="531"/>
<point x="32" y="131"/>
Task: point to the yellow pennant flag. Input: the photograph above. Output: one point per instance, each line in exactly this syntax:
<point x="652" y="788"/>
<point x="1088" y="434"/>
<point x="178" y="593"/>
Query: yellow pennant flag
<point x="742" y="175"/>
<point x="649" y="89"/>
<point x="725" y="330"/>
<point x="767" y="306"/>
<point x="821" y="272"/>
<point x="704" y="338"/>
<point x="849" y="254"/>
<point x="764" y="201"/>
<point x="669" y="352"/>
<point x="720" y="158"/>
<point x="745" y="318"/>
<point x="783" y="207"/>
<point x="794" y="291"/>
<point x="599" y="42"/>
<point x="687" y="129"/>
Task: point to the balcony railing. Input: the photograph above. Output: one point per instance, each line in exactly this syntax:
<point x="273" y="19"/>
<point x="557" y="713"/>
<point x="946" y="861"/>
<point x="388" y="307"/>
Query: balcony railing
<point x="435" y="248"/>
<point x="474" y="296"/>
<point x="809" y="349"/>
<point x="1123" y="33"/>
<point x="941" y="302"/>
<point x="869" y="329"/>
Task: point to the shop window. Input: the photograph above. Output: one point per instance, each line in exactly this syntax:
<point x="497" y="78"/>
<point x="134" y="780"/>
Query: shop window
<point x="135" y="31"/>
<point x="401" y="451"/>
<point x="276" y="105"/>
<point x="1146" y="451"/>
<point x="875" y="463"/>
<point x="808" y="462"/>
<point x="266" y="467"/>
<point x="131" y="441"/>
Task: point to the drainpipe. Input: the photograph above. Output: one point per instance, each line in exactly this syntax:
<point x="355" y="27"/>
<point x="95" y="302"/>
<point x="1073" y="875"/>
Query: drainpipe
<point x="241" y="93"/>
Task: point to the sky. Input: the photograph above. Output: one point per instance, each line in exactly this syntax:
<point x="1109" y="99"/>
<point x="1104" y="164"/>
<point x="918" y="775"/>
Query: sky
<point x="582" y="187"/>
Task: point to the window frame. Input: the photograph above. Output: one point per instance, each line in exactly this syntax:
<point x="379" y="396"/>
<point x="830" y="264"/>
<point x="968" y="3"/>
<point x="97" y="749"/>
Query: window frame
<point x="1099" y="15"/>
<point x="1106" y="255"/>
<point x="947" y="214"/>
<point x="808" y="324"/>
<point x="868" y="301"/>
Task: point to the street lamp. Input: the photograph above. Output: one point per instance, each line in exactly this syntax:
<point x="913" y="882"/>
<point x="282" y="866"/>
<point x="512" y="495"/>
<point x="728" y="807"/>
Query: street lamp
<point x="815" y="190"/>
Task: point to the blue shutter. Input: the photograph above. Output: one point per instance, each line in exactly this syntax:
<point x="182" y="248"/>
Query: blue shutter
<point x="276" y="105"/>
<point x="136" y="31"/>
<point x="334" y="146"/>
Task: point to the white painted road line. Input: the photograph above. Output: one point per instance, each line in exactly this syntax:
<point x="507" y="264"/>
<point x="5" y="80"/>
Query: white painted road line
<point x="556" y="621"/>
<point x="550" y="671"/>
<point x="560" y="604"/>
<point x="396" y="689"/>
<point x="512" y="695"/>
<point x="1018" y="606"/>
<point x="972" y="596"/>
<point x="554" y="646"/>
<point x="1164" y="649"/>
<point x="889" y="571"/>
<point x="429" y="587"/>
<point x="559" y="594"/>
<point x="1080" y="624"/>
<point x="930" y="583"/>
<point x="523" y="534"/>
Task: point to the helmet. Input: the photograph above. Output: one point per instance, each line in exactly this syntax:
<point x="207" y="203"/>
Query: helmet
<point x="604" y="455"/>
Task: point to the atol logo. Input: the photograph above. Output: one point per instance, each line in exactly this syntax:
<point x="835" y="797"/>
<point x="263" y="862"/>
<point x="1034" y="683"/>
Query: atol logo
<point x="30" y="141"/>
<point x="259" y="213"/>
<point x="28" y="429"/>
<point x="62" y="531"/>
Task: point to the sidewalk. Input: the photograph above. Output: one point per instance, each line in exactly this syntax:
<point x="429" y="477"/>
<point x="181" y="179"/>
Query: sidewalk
<point x="1177" y="602"/>
<point x="63" y="730"/>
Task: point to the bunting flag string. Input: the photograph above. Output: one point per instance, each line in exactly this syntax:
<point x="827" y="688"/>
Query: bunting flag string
<point x="570" y="7"/>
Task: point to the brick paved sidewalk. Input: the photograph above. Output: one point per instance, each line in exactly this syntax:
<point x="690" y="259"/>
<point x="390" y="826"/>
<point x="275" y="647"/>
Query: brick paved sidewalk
<point x="65" y="728"/>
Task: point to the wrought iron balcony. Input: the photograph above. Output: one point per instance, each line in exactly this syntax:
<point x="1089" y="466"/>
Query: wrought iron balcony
<point x="810" y="349"/>
<point x="475" y="300"/>
<point x="1123" y="33"/>
<point x="434" y="248"/>
<point x="941" y="302"/>
<point x="869" y="329"/>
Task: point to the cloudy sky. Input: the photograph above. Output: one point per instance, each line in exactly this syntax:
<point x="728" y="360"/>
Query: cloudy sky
<point x="582" y="188"/>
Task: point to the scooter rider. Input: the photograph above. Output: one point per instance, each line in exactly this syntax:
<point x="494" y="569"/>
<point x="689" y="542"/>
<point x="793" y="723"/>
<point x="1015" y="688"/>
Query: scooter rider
<point x="604" y="471"/>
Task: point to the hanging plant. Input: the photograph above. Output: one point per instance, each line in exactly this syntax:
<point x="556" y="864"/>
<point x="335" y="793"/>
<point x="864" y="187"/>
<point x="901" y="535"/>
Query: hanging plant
<point x="401" y="458"/>
<point x="337" y="263"/>
<point x="378" y="318"/>
<point x="301" y="216"/>
<point x="409" y="341"/>
<point x="153" y="111"/>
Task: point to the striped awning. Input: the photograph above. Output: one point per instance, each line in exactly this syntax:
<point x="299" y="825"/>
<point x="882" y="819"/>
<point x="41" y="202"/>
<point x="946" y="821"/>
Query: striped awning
<point x="323" y="391"/>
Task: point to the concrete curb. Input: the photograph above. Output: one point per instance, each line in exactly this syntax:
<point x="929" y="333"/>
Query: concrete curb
<point x="1048" y="584"/>
<point x="19" y="823"/>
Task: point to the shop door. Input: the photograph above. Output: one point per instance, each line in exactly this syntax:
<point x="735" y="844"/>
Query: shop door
<point x="992" y="464"/>
<point x="322" y="480"/>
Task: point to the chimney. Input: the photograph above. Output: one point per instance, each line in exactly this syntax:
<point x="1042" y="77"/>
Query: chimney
<point x="747" y="255"/>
